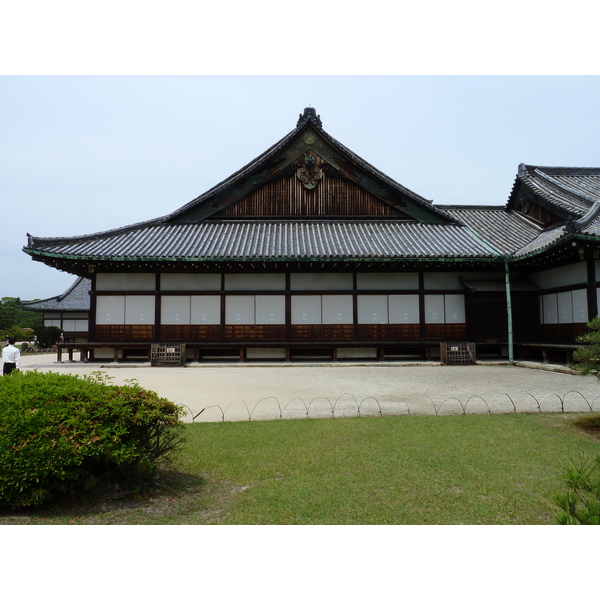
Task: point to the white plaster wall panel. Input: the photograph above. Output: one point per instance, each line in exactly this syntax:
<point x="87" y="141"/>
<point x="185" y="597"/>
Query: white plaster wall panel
<point x="434" y="308"/>
<point x="372" y="309"/>
<point x="265" y="353"/>
<point x="565" y="307"/>
<point x="387" y="281"/>
<point x="321" y="281"/>
<point x="561" y="276"/>
<point x="580" y="306"/>
<point x="190" y="282"/>
<point x="125" y="282"/>
<point x="52" y="322"/>
<point x="442" y="281"/>
<point x="256" y="282"/>
<point x="357" y="353"/>
<point x="337" y="310"/>
<point x="75" y="325"/>
<point x="455" y="308"/>
<point x="306" y="310"/>
<point x="270" y="310"/>
<point x="206" y="310"/>
<point x="550" y="309"/>
<point x="139" y="310"/>
<point x="175" y="310"/>
<point x="239" y="310"/>
<point x="404" y="308"/>
<point x="110" y="310"/>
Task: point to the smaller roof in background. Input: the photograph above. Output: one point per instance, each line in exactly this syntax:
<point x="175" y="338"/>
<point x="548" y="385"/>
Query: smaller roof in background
<point x="570" y="189"/>
<point x="76" y="298"/>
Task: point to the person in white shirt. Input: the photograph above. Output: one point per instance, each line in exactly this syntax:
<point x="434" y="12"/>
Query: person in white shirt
<point x="11" y="357"/>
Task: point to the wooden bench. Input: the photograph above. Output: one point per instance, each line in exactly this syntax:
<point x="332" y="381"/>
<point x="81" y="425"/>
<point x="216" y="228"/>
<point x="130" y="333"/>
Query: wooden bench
<point x="568" y="349"/>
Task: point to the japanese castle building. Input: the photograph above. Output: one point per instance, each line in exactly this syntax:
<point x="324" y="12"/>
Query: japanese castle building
<point x="310" y="251"/>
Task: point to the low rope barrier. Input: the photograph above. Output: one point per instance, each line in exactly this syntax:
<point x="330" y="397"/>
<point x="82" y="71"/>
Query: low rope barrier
<point x="347" y="405"/>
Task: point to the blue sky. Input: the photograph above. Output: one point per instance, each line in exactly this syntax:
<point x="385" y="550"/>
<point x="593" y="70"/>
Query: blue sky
<point x="82" y="154"/>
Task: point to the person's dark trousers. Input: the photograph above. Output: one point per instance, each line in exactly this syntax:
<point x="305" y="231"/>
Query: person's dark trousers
<point x="8" y="368"/>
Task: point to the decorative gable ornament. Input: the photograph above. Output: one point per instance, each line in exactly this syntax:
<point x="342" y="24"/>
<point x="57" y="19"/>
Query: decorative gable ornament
<point x="310" y="116"/>
<point x="309" y="175"/>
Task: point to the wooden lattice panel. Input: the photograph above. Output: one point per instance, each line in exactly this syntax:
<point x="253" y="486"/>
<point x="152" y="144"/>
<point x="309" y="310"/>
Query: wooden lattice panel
<point x="457" y="353"/>
<point x="167" y="355"/>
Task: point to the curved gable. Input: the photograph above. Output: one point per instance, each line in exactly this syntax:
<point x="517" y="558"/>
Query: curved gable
<point x="308" y="174"/>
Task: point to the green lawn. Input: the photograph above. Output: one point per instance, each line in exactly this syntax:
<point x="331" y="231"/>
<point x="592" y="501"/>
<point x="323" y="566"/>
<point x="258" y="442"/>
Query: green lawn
<point x="499" y="469"/>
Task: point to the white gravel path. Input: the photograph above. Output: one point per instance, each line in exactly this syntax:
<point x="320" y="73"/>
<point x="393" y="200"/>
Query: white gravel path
<point x="257" y="391"/>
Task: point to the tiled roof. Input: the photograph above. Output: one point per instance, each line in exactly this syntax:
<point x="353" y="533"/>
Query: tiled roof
<point x="76" y="298"/>
<point x="571" y="196"/>
<point x="545" y="239"/>
<point x="574" y="190"/>
<point x="506" y="231"/>
<point x="239" y="240"/>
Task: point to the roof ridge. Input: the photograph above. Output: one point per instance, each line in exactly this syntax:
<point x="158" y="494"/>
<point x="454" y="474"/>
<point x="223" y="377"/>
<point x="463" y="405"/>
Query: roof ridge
<point x="561" y="170"/>
<point x="578" y="224"/>
<point x="563" y="186"/>
<point x="490" y="207"/>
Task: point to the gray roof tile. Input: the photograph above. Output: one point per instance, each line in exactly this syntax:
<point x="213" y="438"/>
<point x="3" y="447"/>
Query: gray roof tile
<point x="574" y="190"/>
<point x="505" y="230"/>
<point x="299" y="240"/>
<point x="76" y="298"/>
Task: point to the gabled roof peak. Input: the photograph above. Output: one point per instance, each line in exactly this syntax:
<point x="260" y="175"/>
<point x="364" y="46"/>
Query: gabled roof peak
<point x="310" y="115"/>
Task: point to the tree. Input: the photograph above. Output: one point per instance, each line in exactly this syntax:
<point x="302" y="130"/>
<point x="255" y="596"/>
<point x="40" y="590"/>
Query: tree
<point x="12" y="314"/>
<point x="580" y="503"/>
<point x="586" y="360"/>
<point x="9" y="308"/>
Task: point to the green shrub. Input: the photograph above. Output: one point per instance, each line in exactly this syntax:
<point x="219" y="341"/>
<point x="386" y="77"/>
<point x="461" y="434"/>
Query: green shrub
<point x="580" y="504"/>
<point x="586" y="359"/>
<point x="62" y="434"/>
<point x="47" y="336"/>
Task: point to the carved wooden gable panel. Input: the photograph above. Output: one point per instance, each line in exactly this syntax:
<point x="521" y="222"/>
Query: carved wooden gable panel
<point x="310" y="188"/>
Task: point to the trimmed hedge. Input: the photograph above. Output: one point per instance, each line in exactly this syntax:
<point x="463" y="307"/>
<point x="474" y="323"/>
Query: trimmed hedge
<point x="60" y="434"/>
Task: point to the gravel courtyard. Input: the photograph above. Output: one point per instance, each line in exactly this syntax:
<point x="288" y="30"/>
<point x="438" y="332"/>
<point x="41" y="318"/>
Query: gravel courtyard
<point x="234" y="392"/>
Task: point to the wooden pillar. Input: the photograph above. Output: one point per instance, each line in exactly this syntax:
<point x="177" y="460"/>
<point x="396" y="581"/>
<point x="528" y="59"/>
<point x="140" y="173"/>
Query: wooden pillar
<point x="592" y="303"/>
<point x="288" y="313"/>
<point x="157" y="308"/>
<point x="509" y="313"/>
<point x="421" y="305"/>
<point x="92" y="315"/>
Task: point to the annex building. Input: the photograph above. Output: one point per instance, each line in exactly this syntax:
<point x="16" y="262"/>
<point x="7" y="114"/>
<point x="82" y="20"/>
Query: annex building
<point x="310" y="251"/>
